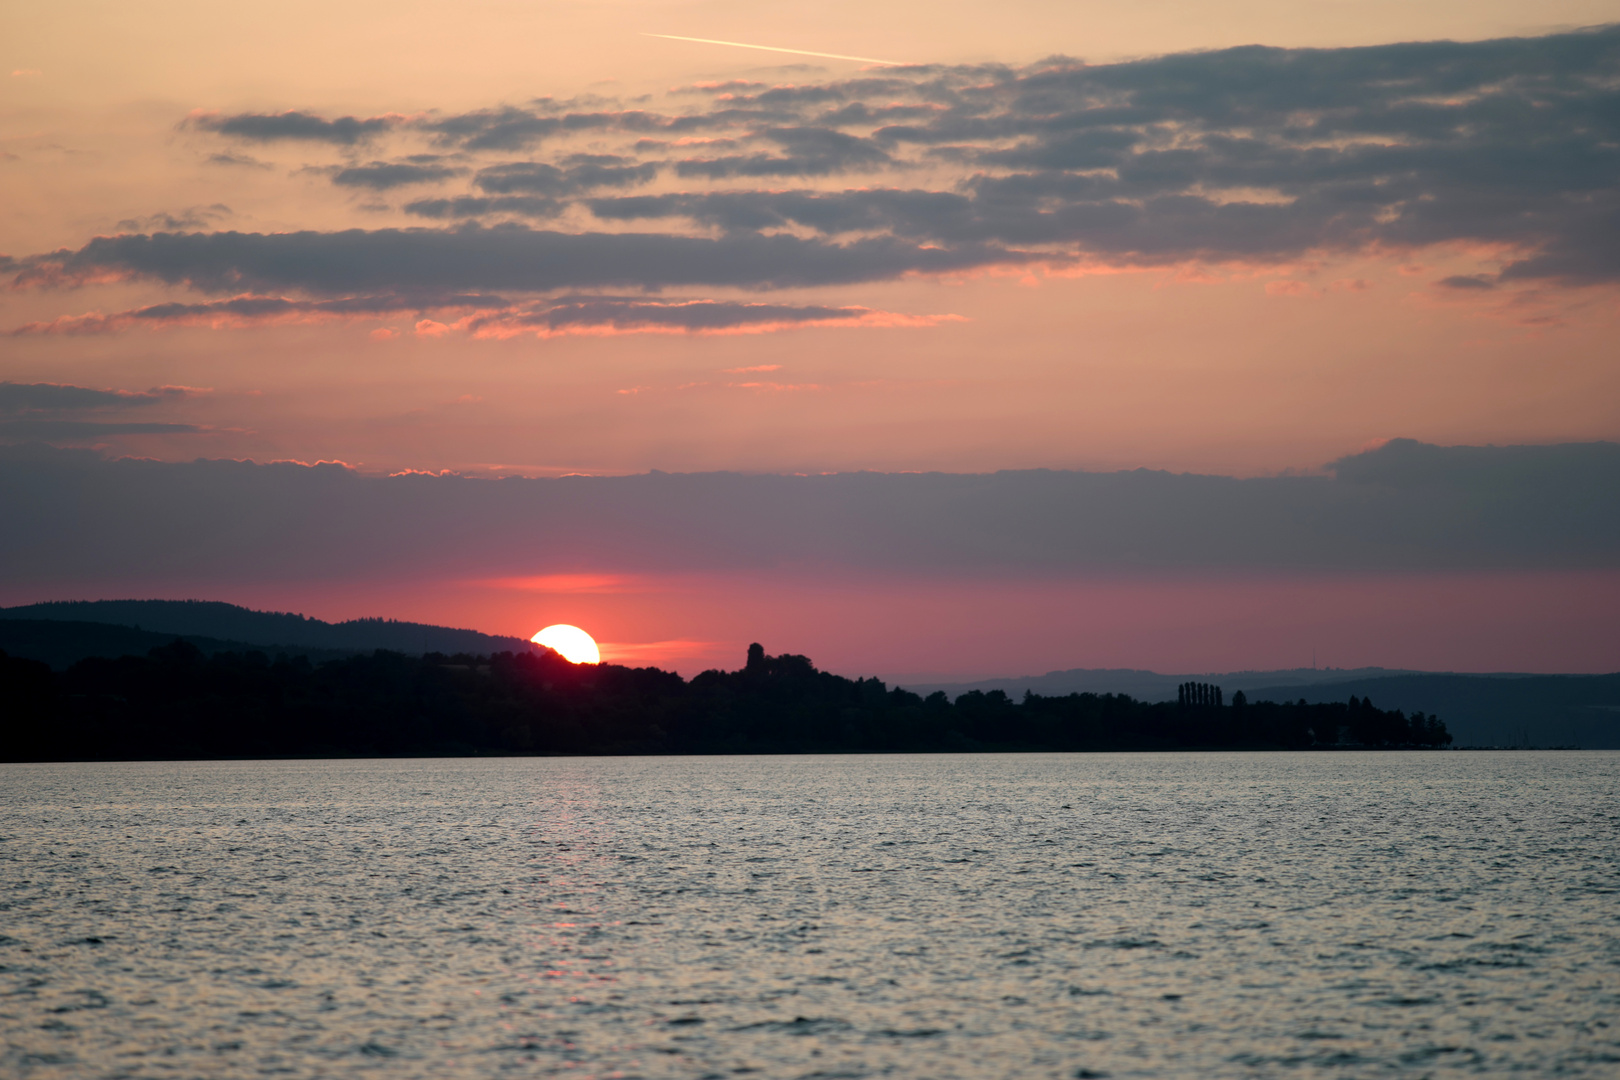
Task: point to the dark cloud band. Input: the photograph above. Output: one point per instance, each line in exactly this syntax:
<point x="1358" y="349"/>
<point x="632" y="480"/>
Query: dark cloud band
<point x="479" y="315"/>
<point x="49" y="399"/>
<point x="1406" y="506"/>
<point x="509" y="258"/>
<point x="81" y="430"/>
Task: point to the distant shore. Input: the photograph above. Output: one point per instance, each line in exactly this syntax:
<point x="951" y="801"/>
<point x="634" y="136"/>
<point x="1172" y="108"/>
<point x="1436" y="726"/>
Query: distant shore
<point x="177" y="703"/>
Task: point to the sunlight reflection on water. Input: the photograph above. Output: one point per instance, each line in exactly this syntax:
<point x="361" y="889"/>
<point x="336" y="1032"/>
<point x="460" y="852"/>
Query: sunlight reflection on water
<point x="929" y="916"/>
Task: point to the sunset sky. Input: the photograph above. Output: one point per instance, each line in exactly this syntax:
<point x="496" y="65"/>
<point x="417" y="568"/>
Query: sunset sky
<point x="547" y="256"/>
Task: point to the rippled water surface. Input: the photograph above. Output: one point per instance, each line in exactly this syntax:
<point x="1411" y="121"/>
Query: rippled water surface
<point x="919" y="916"/>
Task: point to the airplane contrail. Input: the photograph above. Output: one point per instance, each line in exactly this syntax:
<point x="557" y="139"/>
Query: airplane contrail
<point x="773" y="48"/>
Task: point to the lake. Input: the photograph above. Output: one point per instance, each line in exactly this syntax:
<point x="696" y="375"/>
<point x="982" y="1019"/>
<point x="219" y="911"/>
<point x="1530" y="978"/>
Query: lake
<point x="1037" y="915"/>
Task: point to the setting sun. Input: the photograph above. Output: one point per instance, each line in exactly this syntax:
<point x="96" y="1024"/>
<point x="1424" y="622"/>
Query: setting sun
<point x="570" y="642"/>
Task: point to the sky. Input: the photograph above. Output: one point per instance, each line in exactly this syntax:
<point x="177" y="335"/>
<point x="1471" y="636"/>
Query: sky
<point x="682" y="342"/>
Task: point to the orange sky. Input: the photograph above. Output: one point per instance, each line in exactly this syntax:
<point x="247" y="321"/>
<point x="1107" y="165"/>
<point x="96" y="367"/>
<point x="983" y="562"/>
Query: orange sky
<point x="1236" y="356"/>
<point x="1222" y="366"/>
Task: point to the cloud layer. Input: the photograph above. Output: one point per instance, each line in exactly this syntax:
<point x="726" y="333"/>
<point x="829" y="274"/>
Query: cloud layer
<point x="1405" y="507"/>
<point x="1505" y="149"/>
<point x="51" y="399"/>
<point x="58" y="411"/>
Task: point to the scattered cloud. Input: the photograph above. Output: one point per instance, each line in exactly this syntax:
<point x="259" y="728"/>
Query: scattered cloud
<point x="243" y="160"/>
<point x="580" y="172"/>
<point x="508" y="258"/>
<point x="46" y="399"/>
<point x="489" y="316"/>
<point x="79" y="430"/>
<point x="294" y="126"/>
<point x="478" y="206"/>
<point x="1255" y="157"/>
<point x="243" y="311"/>
<point x="806" y="151"/>
<point x="193" y="217"/>
<point x="623" y="315"/>
<point x="384" y="175"/>
<point x="509" y="127"/>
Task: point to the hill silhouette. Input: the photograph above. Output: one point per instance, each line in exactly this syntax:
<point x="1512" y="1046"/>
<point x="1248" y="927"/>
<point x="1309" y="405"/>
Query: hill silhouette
<point x="61" y="643"/>
<point x="175" y="702"/>
<point x="219" y="621"/>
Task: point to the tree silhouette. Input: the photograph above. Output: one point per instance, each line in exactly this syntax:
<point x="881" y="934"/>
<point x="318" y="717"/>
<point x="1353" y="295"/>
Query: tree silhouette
<point x="177" y="703"/>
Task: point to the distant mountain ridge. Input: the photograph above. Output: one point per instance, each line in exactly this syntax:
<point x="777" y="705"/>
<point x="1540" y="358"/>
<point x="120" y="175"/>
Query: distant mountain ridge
<point x="224" y="622"/>
<point x="61" y="643"/>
